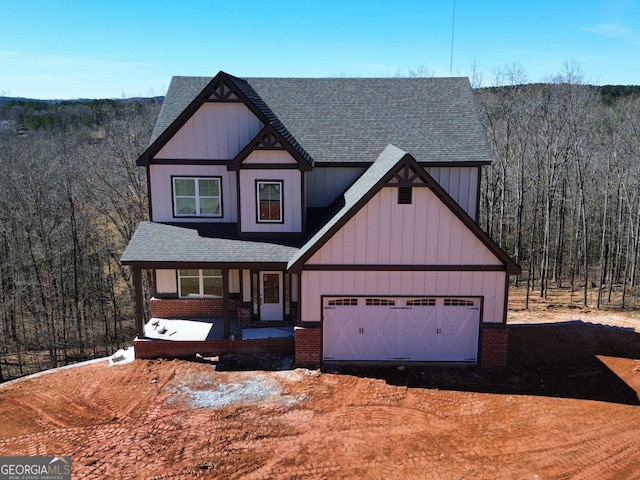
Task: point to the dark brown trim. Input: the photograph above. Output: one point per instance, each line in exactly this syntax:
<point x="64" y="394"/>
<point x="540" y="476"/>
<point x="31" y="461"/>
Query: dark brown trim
<point x="257" y="182"/>
<point x="299" y="302"/>
<point x="474" y="163"/>
<point x="197" y="177"/>
<point x="149" y="198"/>
<point x="310" y="325"/>
<point x="238" y="204"/>
<point x="268" y="166"/>
<point x="257" y="144"/>
<point x="188" y="161"/>
<point x="137" y="285"/>
<point x="505" y="307"/>
<point x="479" y="170"/>
<point x="271" y="235"/>
<point x="406" y="268"/>
<point x="226" y="316"/>
<point x="170" y="265"/>
<point x="303" y="206"/>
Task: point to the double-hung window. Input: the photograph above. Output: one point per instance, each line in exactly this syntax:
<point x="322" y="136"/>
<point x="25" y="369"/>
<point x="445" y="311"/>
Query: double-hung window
<point x="269" y="198"/>
<point x="197" y="197"/>
<point x="195" y="283"/>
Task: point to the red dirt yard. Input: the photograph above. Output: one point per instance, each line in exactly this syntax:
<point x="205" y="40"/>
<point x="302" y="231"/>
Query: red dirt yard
<point x="566" y="407"/>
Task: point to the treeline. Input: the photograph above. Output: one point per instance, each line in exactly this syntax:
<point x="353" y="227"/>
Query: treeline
<point x="23" y="115"/>
<point x="71" y="199"/>
<point x="563" y="194"/>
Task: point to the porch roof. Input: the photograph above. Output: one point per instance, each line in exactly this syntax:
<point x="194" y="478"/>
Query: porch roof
<point x="161" y="244"/>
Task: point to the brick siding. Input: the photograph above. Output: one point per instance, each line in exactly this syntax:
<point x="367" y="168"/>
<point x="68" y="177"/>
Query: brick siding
<point x="151" y="348"/>
<point x="308" y="346"/>
<point x="186" y="307"/>
<point x="244" y="315"/>
<point x="493" y="350"/>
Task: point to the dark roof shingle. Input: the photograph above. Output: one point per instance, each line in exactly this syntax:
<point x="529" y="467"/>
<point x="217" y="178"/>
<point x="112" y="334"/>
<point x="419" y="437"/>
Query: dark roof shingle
<point x="353" y="119"/>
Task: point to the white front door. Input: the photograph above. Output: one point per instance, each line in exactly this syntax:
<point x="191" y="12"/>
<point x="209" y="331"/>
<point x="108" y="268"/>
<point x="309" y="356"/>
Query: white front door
<point x="271" y="306"/>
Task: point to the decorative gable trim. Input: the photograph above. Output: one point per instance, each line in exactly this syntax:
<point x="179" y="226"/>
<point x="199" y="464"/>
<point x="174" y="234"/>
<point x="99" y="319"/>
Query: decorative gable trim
<point x="226" y="88"/>
<point x="407" y="175"/>
<point x="404" y="171"/>
<point x="268" y="139"/>
<point x="221" y="91"/>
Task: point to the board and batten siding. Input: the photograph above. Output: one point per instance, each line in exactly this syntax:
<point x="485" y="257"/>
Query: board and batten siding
<point x="217" y="131"/>
<point x="324" y="184"/>
<point x="462" y="183"/>
<point x="425" y="232"/>
<point x="292" y="200"/>
<point x="162" y="191"/>
<point x="337" y="283"/>
<point x="269" y="157"/>
<point x="383" y="232"/>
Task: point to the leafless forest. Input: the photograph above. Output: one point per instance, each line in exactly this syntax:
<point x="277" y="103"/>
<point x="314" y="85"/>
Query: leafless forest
<point x="71" y="199"/>
<point x="563" y="194"/>
<point x="562" y="197"/>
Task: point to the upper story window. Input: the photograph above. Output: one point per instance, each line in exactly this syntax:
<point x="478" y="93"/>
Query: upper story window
<point x="194" y="283"/>
<point x="197" y="197"/>
<point x="269" y="198"/>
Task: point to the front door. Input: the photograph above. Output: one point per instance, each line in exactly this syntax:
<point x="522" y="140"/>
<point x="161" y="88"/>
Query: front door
<point x="271" y="296"/>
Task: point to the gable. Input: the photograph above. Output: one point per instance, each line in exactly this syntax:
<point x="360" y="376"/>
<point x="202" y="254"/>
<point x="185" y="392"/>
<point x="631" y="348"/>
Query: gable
<point x="187" y="96"/>
<point x="269" y="140"/>
<point x="392" y="167"/>
<point x="216" y="131"/>
<point x="425" y="232"/>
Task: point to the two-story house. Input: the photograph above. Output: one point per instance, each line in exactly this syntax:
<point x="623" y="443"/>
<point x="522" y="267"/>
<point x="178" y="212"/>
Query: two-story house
<point x="335" y="217"/>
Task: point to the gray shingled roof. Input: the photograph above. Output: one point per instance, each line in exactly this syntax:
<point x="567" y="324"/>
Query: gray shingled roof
<point x="156" y="242"/>
<point x="353" y="119"/>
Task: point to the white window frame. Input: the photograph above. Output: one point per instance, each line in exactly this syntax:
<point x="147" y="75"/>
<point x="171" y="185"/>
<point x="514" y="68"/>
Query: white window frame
<point x="280" y="183"/>
<point x="201" y="276"/>
<point x="197" y="197"/>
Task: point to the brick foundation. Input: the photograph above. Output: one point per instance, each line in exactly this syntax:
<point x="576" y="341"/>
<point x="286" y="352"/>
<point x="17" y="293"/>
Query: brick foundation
<point x="308" y="346"/>
<point x="244" y="315"/>
<point x="187" y="307"/>
<point x="151" y="348"/>
<point x="493" y="350"/>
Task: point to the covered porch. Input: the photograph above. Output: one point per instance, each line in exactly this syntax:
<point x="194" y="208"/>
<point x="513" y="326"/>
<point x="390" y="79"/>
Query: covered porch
<point x="210" y="292"/>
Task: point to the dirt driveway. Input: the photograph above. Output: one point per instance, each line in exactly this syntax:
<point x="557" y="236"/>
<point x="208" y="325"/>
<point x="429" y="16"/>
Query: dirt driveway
<point x="566" y="408"/>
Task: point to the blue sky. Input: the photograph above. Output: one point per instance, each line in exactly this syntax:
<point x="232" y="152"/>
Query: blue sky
<point x="112" y="49"/>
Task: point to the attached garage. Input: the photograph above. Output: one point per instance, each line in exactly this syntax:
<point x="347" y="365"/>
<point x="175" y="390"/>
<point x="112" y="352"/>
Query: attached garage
<point x="427" y="329"/>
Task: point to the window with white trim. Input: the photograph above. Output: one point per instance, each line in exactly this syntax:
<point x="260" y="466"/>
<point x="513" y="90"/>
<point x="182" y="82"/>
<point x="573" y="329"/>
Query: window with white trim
<point x="200" y="283"/>
<point x="269" y="198"/>
<point x="197" y="197"/>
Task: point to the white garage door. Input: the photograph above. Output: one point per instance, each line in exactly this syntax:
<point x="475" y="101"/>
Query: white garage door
<point x="401" y="329"/>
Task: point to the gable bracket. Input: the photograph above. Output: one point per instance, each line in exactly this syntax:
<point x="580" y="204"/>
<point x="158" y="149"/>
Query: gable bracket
<point x="268" y="139"/>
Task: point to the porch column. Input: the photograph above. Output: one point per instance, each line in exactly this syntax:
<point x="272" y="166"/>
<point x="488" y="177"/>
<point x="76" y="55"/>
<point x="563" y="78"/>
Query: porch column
<point x="225" y="303"/>
<point x="137" y="284"/>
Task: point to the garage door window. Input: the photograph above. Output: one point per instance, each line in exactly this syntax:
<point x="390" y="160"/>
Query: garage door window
<point x="343" y="301"/>
<point x="457" y="302"/>
<point x="422" y="302"/>
<point x="375" y="302"/>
